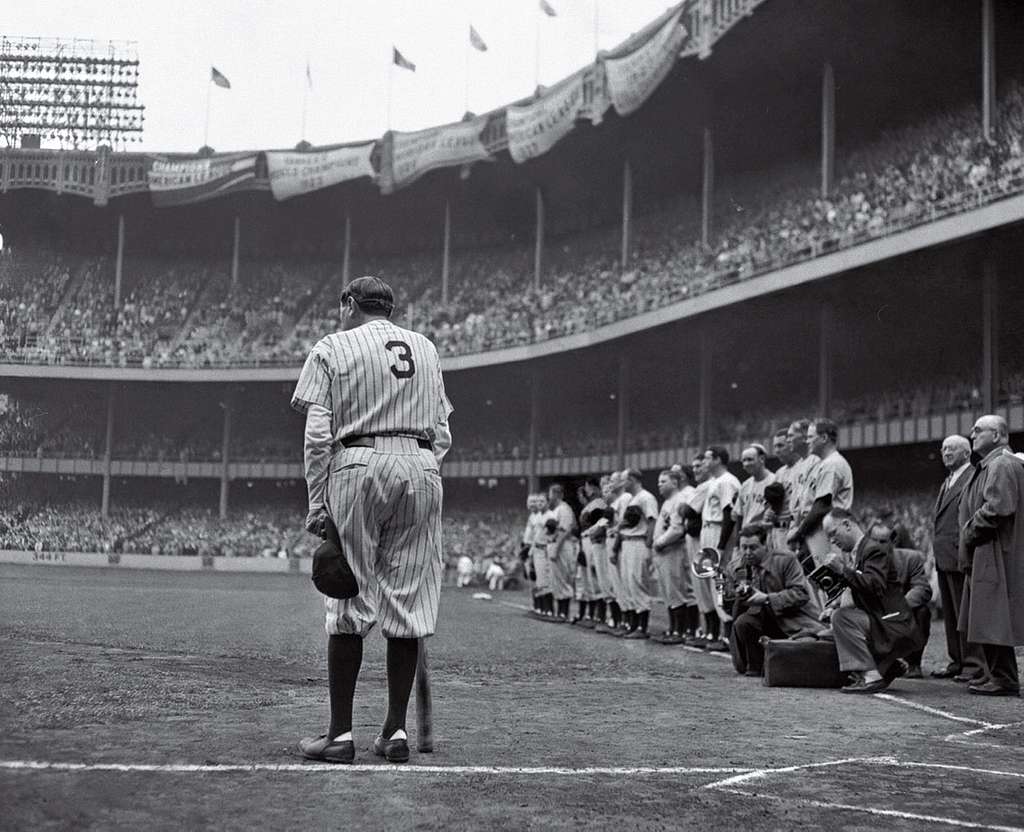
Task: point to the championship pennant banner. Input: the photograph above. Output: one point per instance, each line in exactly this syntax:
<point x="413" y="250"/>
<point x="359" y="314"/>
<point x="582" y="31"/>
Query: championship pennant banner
<point x="292" y="173"/>
<point x="407" y="156"/>
<point x="533" y="129"/>
<point x="184" y="181"/>
<point x="633" y="77"/>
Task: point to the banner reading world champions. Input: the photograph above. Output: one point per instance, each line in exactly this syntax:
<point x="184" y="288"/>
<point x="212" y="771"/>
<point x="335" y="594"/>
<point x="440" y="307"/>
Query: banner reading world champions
<point x="407" y="156"/>
<point x="632" y="77"/>
<point x="180" y="181"/>
<point x="293" y="173"/>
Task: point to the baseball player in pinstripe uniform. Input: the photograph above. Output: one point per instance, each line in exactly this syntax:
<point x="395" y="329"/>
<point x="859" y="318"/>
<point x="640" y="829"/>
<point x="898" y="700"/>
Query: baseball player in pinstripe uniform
<point x="670" y="561"/>
<point x="619" y="504"/>
<point x="779" y="520"/>
<point x="588" y="585"/>
<point x="635" y="555"/>
<point x="562" y="548"/>
<point x="531" y="537"/>
<point x="376" y="431"/>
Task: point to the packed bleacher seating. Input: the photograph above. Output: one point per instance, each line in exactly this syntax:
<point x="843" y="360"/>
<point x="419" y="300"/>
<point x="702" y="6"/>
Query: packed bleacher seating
<point x="180" y="314"/>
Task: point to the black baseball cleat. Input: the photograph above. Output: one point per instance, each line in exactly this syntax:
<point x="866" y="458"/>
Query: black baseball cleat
<point x="326" y="750"/>
<point x="394" y="751"/>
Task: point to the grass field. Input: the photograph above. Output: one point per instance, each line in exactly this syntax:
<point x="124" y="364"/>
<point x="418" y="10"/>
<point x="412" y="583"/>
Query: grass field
<point x="173" y="701"/>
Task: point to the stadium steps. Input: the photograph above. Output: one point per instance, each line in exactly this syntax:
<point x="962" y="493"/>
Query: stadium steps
<point x="196" y="308"/>
<point x="71" y="291"/>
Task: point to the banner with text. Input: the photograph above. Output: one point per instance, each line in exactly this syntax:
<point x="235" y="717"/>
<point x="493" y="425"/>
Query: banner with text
<point x="183" y="181"/>
<point x="634" y="76"/>
<point x="407" y="156"/>
<point x="533" y="129"/>
<point x="293" y="173"/>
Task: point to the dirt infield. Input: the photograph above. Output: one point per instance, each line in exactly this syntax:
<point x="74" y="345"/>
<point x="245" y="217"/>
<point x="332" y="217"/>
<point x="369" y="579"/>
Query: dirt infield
<point x="174" y="701"/>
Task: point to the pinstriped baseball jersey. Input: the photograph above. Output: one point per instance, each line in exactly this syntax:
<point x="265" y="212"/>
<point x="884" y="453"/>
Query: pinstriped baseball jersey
<point x="375" y="379"/>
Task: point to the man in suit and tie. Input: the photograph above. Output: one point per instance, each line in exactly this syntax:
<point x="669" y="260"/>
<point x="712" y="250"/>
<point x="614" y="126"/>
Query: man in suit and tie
<point x="965" y="660"/>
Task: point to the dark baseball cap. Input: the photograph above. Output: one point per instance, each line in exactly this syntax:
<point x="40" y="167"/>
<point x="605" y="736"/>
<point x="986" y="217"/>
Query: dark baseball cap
<point x="371" y="294"/>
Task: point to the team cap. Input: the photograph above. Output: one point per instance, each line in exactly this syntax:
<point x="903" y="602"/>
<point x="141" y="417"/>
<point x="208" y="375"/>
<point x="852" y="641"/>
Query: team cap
<point x="371" y="294"/>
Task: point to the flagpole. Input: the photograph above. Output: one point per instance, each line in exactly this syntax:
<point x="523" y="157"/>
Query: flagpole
<point x="206" y="126"/>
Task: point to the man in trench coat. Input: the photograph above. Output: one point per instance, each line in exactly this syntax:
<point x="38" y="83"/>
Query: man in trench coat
<point x="992" y="557"/>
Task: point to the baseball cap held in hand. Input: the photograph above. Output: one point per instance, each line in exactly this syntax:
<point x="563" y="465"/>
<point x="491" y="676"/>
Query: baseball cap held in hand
<point x="332" y="576"/>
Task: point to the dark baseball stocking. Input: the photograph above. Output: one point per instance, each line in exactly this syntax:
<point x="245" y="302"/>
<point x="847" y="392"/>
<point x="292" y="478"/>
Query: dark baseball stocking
<point x="403" y="654"/>
<point x="344" y="658"/>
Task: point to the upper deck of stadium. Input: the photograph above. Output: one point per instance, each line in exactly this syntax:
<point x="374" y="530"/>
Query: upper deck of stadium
<point x="713" y="193"/>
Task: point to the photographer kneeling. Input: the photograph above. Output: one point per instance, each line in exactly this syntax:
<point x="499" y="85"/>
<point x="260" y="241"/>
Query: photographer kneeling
<point x="772" y="599"/>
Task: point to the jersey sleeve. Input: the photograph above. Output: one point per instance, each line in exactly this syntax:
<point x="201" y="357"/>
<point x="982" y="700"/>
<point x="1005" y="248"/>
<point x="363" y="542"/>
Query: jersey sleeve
<point x="827" y="481"/>
<point x="650" y="507"/>
<point x="314" y="384"/>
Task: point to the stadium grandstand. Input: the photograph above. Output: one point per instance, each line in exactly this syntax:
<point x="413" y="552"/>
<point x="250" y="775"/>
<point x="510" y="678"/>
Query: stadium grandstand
<point x="781" y="229"/>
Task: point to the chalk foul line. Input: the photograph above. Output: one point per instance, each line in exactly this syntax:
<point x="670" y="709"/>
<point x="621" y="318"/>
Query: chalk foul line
<point x="928" y="709"/>
<point x="311" y="767"/>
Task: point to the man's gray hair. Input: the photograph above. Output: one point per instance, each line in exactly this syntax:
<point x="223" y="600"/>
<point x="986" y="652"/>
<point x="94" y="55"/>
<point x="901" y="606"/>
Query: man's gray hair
<point x="961" y="443"/>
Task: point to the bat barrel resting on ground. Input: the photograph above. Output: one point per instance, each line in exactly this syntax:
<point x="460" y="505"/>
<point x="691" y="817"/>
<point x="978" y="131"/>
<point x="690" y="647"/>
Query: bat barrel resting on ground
<point x="424" y="706"/>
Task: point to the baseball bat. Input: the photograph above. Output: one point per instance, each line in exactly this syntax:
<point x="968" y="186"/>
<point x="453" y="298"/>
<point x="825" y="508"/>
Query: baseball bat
<point x="424" y="705"/>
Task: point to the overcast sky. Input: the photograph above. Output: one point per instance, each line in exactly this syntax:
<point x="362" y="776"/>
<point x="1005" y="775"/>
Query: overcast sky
<point x="262" y="47"/>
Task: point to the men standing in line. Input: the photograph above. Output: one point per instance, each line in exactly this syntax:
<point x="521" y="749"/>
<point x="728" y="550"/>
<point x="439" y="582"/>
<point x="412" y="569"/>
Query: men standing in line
<point x="562" y="549"/>
<point x="750" y="504"/>
<point x="830" y="486"/>
<point x="533" y="535"/>
<point x="670" y="563"/>
<point x="965" y="660"/>
<point x="619" y="504"/>
<point x="635" y="555"/>
<point x="703" y="588"/>
<point x="992" y="554"/>
<point x="541" y="562"/>
<point x="594" y="568"/>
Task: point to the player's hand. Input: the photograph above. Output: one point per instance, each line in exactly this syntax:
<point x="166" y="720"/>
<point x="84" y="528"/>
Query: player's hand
<point x="793" y="538"/>
<point x="756" y="597"/>
<point x="769" y="515"/>
<point x="316" y="521"/>
<point x="825" y="614"/>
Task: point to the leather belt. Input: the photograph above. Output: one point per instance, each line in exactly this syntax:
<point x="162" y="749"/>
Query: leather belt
<point x="370" y="440"/>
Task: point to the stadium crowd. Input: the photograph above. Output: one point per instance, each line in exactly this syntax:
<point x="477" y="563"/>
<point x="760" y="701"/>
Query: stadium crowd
<point x="55" y="308"/>
<point x="781" y="564"/>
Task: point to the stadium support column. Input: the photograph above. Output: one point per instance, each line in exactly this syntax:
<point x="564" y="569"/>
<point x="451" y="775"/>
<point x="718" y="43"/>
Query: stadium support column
<point x="627" y="211"/>
<point x="990" y="337"/>
<point x="234" y="251"/>
<point x="538" y="240"/>
<point x="988" y="69"/>
<point x="225" y="453"/>
<point x="828" y="129"/>
<point x="346" y="256"/>
<point x="119" y="265"/>
<point x="704" y="391"/>
<point x="825" y="361"/>
<point x="707" y="196"/>
<point x="533" y="477"/>
<point x="623" y="416"/>
<point x="446" y="254"/>
<point x="108" y="447"/>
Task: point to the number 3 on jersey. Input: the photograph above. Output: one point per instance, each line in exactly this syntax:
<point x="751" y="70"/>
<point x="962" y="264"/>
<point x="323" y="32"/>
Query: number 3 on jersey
<point x="404" y="367"/>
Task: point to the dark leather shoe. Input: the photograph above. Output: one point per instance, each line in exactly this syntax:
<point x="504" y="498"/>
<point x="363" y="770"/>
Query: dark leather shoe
<point x="948" y="672"/>
<point x="913" y="672"/>
<point x="717" y="646"/>
<point x="635" y="634"/>
<point x="753" y="671"/>
<point x="992" y="689"/>
<point x="966" y="678"/>
<point x="860" y="686"/>
<point x="326" y="750"/>
<point x="394" y="751"/>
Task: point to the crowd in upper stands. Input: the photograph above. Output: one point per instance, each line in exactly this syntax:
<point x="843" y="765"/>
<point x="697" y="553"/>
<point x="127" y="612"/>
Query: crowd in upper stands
<point x="56" y="308"/>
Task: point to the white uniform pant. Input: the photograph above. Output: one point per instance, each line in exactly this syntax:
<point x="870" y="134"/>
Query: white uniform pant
<point x="602" y="570"/>
<point x="562" y="565"/>
<point x="672" y="568"/>
<point x="704" y="588"/>
<point x="542" y="586"/>
<point x="633" y="561"/>
<point x="586" y="574"/>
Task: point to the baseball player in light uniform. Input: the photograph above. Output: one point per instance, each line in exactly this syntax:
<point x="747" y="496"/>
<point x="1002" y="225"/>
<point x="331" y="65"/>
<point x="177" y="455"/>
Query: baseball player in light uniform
<point x="592" y="538"/>
<point x="670" y="562"/>
<point x="750" y="505"/>
<point x="531" y="536"/>
<point x="703" y="589"/>
<point x="801" y="471"/>
<point x="541" y="563"/>
<point x="376" y="431"/>
<point x="635" y="554"/>
<point x="563" y="546"/>
<point x="619" y="504"/>
<point x="779" y="520"/>
<point x="717" y="523"/>
<point x="830" y="486"/>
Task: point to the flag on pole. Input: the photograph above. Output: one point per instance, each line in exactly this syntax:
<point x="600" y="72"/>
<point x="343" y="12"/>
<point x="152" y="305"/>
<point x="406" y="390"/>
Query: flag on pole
<point x="476" y="41"/>
<point x="219" y="78"/>
<point x="548" y="9"/>
<point x="400" y="60"/>
<point x="309" y="76"/>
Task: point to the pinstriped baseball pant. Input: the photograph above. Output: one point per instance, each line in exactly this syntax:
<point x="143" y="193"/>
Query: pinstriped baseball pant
<point x="386" y="503"/>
